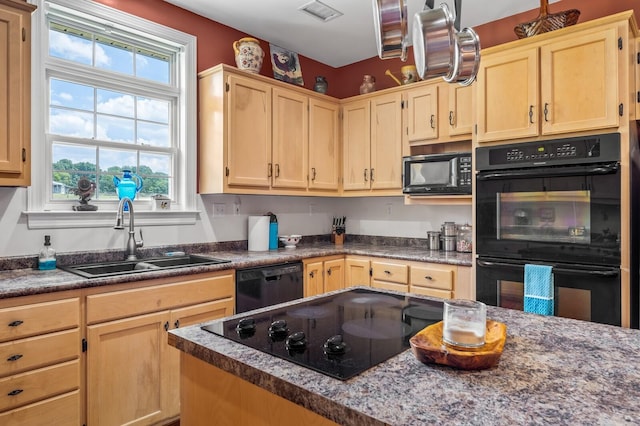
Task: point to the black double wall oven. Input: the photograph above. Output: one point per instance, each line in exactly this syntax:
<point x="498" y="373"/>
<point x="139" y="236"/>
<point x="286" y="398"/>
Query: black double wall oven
<point x="556" y="203"/>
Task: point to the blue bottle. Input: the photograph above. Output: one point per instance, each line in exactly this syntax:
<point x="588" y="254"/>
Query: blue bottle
<point x="273" y="232"/>
<point x="47" y="257"/>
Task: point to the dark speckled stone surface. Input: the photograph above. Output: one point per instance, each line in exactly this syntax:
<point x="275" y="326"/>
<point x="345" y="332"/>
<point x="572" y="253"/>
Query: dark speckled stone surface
<point x="27" y="281"/>
<point x="552" y="371"/>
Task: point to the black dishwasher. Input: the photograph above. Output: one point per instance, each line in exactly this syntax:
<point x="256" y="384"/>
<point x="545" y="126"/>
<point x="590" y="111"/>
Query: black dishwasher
<point x="268" y="285"/>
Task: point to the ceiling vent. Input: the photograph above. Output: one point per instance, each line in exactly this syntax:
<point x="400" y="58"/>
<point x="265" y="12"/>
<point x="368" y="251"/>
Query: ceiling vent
<point x="320" y="11"/>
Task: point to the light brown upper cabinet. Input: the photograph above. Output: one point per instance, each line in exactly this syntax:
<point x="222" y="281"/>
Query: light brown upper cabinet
<point x="372" y="145"/>
<point x="438" y="112"/>
<point x="15" y="93"/>
<point x="557" y="85"/>
<point x="261" y="136"/>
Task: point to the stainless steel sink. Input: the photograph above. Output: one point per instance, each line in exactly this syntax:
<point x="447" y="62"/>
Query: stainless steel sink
<point x="109" y="269"/>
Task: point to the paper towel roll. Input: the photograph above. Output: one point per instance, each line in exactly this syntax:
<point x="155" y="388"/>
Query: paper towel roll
<point x="258" y="233"/>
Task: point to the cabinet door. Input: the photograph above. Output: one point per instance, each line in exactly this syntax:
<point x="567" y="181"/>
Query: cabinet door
<point x="356" y="272"/>
<point x="579" y="82"/>
<point x="15" y="93"/>
<point x="324" y="145"/>
<point x="334" y="275"/>
<point x="313" y="279"/>
<point x="386" y="142"/>
<point x="184" y="317"/>
<point x="460" y="117"/>
<point x="637" y="69"/>
<point x="507" y="95"/>
<point x="422" y="114"/>
<point x="248" y="132"/>
<point x="127" y="378"/>
<point x="290" y="139"/>
<point x="356" y="139"/>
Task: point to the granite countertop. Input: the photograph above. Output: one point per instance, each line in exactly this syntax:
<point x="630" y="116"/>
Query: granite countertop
<point x="552" y="371"/>
<point x="28" y="281"/>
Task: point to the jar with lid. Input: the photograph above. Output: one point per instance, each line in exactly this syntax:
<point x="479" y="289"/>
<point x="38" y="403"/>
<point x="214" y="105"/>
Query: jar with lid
<point x="464" y="238"/>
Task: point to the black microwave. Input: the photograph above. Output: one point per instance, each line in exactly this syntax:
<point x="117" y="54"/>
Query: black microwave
<point x="437" y="174"/>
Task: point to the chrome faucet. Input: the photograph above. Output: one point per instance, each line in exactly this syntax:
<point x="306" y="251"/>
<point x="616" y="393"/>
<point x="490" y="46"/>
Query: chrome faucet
<point x="132" y="244"/>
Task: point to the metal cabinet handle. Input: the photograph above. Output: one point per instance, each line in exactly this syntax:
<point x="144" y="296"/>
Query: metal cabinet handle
<point x="329" y="271"/>
<point x="15" y="392"/>
<point x="451" y="118"/>
<point x="531" y="114"/>
<point x="177" y="324"/>
<point x="277" y="170"/>
<point x="433" y="121"/>
<point x="546" y="111"/>
<point x="372" y="175"/>
<point x="366" y="178"/>
<point x="428" y="277"/>
<point x="313" y="174"/>
<point x="312" y="274"/>
<point x="269" y="170"/>
<point x="166" y="326"/>
<point x="387" y="272"/>
<point x="15" y="323"/>
<point x="14" y="357"/>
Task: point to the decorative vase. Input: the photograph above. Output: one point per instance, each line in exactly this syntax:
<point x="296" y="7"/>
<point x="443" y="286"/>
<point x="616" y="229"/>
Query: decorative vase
<point x="368" y="84"/>
<point x="249" y="54"/>
<point x="321" y="84"/>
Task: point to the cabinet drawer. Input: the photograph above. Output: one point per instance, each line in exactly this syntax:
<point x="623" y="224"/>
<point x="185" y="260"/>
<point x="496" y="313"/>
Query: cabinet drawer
<point x="34" y="352"/>
<point x="389" y="286"/>
<point x="127" y="303"/>
<point x="432" y="277"/>
<point x="63" y="410"/>
<point x="389" y="271"/>
<point x="35" y="385"/>
<point x="38" y="318"/>
<point x="424" y="291"/>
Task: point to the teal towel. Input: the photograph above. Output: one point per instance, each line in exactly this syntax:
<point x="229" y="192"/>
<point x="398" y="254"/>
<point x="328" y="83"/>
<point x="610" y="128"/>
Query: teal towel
<point x="538" y="289"/>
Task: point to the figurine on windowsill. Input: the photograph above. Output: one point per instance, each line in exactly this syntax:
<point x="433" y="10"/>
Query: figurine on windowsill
<point x="85" y="189"/>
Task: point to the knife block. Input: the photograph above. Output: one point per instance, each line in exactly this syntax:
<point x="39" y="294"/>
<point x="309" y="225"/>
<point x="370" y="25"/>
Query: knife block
<point x="337" y="238"/>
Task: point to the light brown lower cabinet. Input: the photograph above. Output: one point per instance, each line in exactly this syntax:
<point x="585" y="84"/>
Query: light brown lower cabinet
<point x="323" y="274"/>
<point x="40" y="370"/>
<point x="132" y="373"/>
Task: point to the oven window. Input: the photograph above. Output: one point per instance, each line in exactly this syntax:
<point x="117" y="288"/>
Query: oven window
<point x="558" y="216"/>
<point x="572" y="302"/>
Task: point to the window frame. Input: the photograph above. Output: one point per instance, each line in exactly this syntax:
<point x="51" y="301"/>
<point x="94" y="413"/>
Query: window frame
<point x="42" y="211"/>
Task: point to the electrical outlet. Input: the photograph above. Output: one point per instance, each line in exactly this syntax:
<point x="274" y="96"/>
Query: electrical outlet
<point x="236" y="208"/>
<point x="218" y="209"/>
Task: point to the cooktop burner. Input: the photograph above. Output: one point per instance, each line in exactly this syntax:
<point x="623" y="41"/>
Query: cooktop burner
<point x="340" y="335"/>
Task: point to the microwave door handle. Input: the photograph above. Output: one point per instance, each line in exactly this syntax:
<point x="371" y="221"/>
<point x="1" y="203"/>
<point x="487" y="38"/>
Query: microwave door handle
<point x="598" y="169"/>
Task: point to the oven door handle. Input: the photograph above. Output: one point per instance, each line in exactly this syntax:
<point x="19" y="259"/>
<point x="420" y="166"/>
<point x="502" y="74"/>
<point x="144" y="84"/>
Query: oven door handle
<point x="605" y="272"/>
<point x="589" y="170"/>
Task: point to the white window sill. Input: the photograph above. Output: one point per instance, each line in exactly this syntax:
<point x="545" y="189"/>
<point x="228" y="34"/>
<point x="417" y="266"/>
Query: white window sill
<point x="106" y="218"/>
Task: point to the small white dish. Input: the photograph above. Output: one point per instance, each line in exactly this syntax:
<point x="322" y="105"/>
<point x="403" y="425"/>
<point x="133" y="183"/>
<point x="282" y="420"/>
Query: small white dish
<point x="290" y="241"/>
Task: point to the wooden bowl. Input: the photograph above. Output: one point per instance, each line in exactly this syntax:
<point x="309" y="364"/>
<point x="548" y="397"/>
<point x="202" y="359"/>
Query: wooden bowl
<point x="427" y="346"/>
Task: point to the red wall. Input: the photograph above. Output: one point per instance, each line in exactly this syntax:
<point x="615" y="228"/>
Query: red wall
<point x="215" y="40"/>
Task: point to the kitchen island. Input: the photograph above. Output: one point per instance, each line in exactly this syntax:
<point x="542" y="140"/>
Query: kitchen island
<point x="552" y="371"/>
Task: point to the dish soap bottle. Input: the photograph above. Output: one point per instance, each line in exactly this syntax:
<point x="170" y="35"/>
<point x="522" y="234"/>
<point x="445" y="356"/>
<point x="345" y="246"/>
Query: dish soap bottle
<point x="47" y="258"/>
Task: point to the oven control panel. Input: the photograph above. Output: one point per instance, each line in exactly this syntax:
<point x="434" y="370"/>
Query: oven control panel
<point x="587" y="149"/>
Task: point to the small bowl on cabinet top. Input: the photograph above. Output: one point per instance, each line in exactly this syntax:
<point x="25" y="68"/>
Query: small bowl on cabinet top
<point x="290" y="241"/>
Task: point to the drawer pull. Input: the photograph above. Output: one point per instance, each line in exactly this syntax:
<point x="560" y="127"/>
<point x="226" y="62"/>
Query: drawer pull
<point x="15" y="392"/>
<point x="387" y="272"/>
<point x="14" y="357"/>
<point x="177" y="324"/>
<point x="15" y="323"/>
<point x="428" y="277"/>
<point x="166" y="326"/>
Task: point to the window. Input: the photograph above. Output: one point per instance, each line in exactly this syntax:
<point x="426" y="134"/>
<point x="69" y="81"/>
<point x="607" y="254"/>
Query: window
<point x="111" y="92"/>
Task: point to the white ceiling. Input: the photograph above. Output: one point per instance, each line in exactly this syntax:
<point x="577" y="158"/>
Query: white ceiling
<point x="342" y="41"/>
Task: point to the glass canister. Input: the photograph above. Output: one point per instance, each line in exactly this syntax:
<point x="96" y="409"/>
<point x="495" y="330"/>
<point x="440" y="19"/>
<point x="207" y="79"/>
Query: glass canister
<point x="464" y="238"/>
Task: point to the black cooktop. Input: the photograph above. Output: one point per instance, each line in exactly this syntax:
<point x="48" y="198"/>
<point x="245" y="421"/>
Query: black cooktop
<point x="340" y="335"/>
